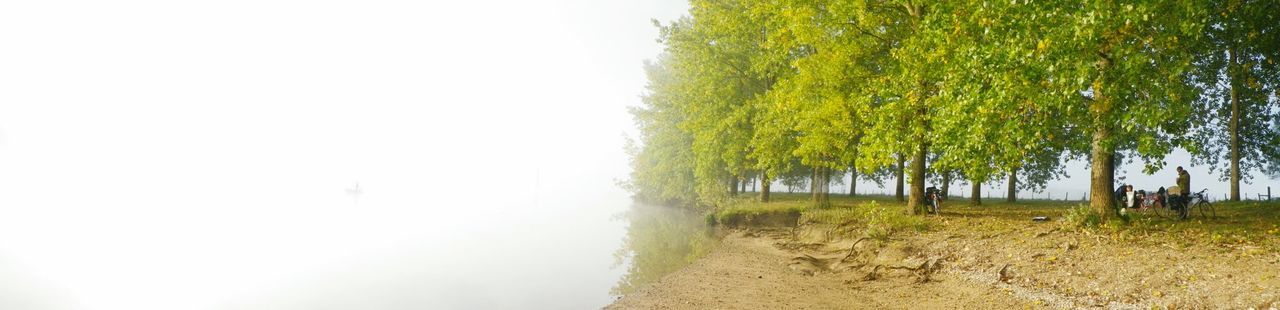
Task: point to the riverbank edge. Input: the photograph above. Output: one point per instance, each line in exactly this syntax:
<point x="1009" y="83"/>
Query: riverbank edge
<point x="800" y="231"/>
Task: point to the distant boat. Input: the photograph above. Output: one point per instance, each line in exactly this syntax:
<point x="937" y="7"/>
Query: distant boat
<point x="356" y="191"/>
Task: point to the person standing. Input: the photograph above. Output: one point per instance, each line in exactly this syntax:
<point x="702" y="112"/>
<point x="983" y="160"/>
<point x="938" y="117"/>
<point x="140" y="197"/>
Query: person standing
<point x="1184" y="181"/>
<point x="1184" y="193"/>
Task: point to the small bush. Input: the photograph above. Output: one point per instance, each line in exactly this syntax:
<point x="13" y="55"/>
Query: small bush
<point x="758" y="214"/>
<point x="878" y="222"/>
<point x="1081" y="216"/>
<point x="835" y="216"/>
<point x="882" y="222"/>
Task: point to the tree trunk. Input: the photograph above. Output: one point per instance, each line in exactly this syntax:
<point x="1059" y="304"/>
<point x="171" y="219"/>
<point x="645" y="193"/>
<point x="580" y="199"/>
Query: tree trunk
<point x="901" y="166"/>
<point x="946" y="184"/>
<point x="1102" y="161"/>
<point x="1102" y="149"/>
<point x="916" y="202"/>
<point x="1235" y="130"/>
<point x="975" y="195"/>
<point x="853" y="181"/>
<point x="764" y="187"/>
<point x="1013" y="186"/>
<point x="1101" y="181"/>
<point x="813" y="185"/>
<point x="733" y="186"/>
<point x="824" y="179"/>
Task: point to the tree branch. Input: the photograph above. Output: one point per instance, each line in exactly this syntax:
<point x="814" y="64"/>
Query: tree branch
<point x="864" y="31"/>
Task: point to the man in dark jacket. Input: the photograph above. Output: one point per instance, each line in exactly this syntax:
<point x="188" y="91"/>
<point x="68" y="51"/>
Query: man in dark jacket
<point x="1184" y="181"/>
<point x="1180" y="201"/>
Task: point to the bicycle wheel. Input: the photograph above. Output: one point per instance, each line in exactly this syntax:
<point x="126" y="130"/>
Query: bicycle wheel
<point x="1161" y="210"/>
<point x="1206" y="209"/>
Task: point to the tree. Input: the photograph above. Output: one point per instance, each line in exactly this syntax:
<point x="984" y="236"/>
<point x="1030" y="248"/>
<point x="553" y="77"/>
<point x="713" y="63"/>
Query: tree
<point x="1237" y="73"/>
<point x="732" y="124"/>
<point x="1130" y="60"/>
<point x="771" y="145"/>
<point x="662" y="163"/>
<point x="1104" y="67"/>
<point x="906" y="89"/>
<point x="977" y="90"/>
<point x="725" y="55"/>
<point x="1035" y="172"/>
<point x="825" y="93"/>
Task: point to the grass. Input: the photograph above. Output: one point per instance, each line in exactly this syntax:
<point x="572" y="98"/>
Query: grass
<point x="757" y="213"/>
<point x="876" y="214"/>
<point x="1242" y="226"/>
<point x="1238" y="225"/>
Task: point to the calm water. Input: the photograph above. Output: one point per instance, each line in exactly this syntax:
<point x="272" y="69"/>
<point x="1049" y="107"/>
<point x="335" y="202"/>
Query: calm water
<point x="660" y="240"/>
<point x="375" y="253"/>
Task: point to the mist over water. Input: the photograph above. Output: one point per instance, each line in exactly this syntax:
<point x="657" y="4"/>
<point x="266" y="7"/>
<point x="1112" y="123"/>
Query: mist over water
<point x="177" y="211"/>
<point x="446" y="249"/>
<point x="279" y="228"/>
<point x="200" y="156"/>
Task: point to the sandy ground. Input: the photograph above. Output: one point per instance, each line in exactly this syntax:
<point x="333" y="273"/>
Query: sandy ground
<point x="757" y="272"/>
<point x="966" y="262"/>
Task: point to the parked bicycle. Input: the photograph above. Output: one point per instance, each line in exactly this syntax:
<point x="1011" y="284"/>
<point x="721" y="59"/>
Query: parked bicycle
<point x="1183" y="205"/>
<point x="1200" y="201"/>
<point x="1154" y="203"/>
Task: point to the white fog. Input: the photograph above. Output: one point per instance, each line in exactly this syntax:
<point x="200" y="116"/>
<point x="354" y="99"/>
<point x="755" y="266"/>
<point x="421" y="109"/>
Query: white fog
<point x="202" y="155"/>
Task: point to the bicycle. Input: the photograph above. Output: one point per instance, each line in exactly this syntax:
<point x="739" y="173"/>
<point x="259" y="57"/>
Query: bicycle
<point x="1155" y="203"/>
<point x="1202" y="204"/>
<point x="1184" y="203"/>
<point x="1180" y="206"/>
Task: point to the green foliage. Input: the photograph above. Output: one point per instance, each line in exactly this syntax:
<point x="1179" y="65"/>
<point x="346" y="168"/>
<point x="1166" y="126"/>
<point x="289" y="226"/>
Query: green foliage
<point x="877" y="221"/>
<point x="1238" y="63"/>
<point x="663" y="165"/>
<point x="881" y="222"/>
<point x="747" y="213"/>
<point x="1081" y="216"/>
<point x="777" y="90"/>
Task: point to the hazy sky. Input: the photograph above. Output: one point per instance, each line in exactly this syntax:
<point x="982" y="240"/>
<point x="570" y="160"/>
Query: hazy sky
<point x="194" y="155"/>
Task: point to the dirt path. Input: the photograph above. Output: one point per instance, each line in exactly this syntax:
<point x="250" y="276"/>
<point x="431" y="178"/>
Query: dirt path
<point x="766" y="271"/>
<point x="1101" y="269"/>
<point x="977" y="258"/>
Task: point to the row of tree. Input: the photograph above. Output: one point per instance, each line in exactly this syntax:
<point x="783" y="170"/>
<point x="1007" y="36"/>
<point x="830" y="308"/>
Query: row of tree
<point x="757" y="91"/>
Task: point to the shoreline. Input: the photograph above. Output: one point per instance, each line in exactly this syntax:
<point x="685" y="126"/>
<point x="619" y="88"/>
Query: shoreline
<point x="972" y="257"/>
<point x="747" y="271"/>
